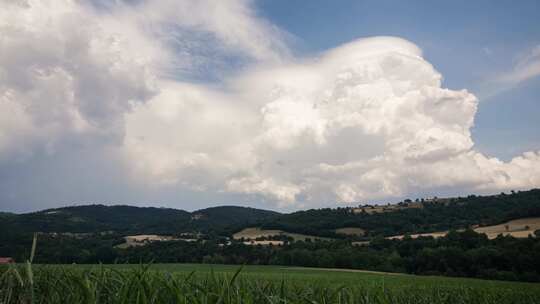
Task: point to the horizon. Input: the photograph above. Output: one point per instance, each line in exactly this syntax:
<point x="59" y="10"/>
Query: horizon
<point x="275" y="105"/>
<point x="330" y="206"/>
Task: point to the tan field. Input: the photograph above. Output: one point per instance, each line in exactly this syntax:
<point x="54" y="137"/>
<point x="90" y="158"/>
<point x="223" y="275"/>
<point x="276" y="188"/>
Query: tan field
<point x="265" y="243"/>
<point x="360" y="243"/>
<point x="252" y="233"/>
<point x="433" y="234"/>
<point x="148" y="238"/>
<point x="351" y="231"/>
<point x="520" y="228"/>
<point x="144" y="239"/>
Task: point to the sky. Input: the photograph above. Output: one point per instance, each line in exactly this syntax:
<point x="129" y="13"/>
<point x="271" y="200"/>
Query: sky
<point x="282" y="105"/>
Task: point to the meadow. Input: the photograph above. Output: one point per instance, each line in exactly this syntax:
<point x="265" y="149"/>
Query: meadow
<point x="203" y="283"/>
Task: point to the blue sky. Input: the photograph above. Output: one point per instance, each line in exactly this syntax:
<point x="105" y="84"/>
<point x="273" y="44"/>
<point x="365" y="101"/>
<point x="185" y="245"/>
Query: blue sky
<point x="469" y="42"/>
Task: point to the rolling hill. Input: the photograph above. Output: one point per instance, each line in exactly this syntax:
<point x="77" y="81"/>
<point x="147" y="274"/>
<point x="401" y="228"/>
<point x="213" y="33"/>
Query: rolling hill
<point x="134" y="220"/>
<point x="425" y="217"/>
<point x="303" y="238"/>
<point x="228" y="219"/>
<point x="434" y="215"/>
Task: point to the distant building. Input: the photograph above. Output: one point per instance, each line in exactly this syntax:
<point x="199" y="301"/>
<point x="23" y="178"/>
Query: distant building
<point x="6" y="260"/>
<point x="197" y="216"/>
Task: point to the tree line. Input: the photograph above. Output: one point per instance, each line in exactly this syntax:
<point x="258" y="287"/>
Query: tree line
<point x="463" y="254"/>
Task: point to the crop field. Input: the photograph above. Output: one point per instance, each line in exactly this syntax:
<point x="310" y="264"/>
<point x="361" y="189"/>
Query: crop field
<point x="520" y="228"/>
<point x="351" y="231"/>
<point x="196" y="283"/>
<point x="433" y="234"/>
<point x="253" y="233"/>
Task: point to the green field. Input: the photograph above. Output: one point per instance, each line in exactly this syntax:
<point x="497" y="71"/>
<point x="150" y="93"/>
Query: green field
<point x="326" y="276"/>
<point x="196" y="283"/>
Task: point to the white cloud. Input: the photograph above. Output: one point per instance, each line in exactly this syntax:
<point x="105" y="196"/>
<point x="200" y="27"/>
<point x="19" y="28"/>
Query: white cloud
<point x="233" y="23"/>
<point x="69" y="70"/>
<point x="189" y="134"/>
<point x="364" y="121"/>
<point x="65" y="71"/>
<point x="525" y="67"/>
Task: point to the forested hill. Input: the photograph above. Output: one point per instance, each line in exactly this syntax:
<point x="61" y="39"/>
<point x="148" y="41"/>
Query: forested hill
<point x="426" y="216"/>
<point x="133" y="220"/>
<point x="229" y="219"/>
<point x="433" y="215"/>
<point x="5" y="214"/>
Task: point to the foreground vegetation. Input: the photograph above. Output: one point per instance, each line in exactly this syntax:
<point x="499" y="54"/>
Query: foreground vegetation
<point x="461" y="254"/>
<point x="178" y="283"/>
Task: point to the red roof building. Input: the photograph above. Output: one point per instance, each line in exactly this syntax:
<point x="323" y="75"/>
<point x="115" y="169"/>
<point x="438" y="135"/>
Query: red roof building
<point x="6" y="260"/>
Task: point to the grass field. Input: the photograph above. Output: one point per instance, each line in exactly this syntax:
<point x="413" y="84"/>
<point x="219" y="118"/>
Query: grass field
<point x="190" y="283"/>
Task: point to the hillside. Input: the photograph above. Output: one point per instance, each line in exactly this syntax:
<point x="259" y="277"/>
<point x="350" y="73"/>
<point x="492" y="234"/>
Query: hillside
<point x="437" y="215"/>
<point x="6" y="214"/>
<point x="227" y="219"/>
<point x="425" y="217"/>
<point x="304" y="238"/>
<point x="133" y="220"/>
<point x="97" y="218"/>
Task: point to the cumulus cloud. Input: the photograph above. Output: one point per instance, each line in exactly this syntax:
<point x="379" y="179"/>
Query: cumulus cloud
<point x="232" y="23"/>
<point x="69" y="68"/>
<point x="364" y="121"/>
<point x="65" y="71"/>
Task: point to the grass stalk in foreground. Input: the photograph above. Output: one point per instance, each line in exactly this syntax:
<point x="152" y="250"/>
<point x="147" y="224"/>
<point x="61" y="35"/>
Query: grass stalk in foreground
<point x="142" y="284"/>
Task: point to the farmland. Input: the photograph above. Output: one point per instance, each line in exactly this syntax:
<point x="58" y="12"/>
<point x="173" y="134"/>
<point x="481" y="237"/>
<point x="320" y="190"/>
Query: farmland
<point x="519" y="228"/>
<point x="199" y="283"/>
<point x="253" y="233"/>
<point x="351" y="231"/>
